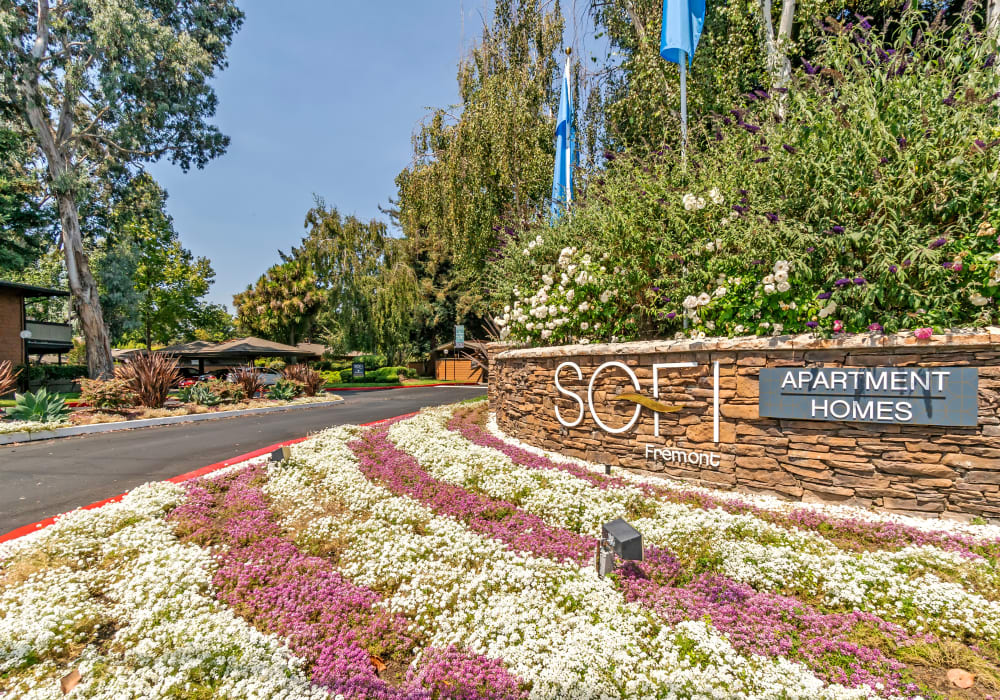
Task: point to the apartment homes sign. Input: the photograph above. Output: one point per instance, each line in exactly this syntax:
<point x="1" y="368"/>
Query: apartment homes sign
<point x="901" y="395"/>
<point x="946" y="396"/>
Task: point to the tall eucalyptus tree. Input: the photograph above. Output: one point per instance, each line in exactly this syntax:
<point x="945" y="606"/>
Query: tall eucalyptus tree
<point x="95" y="81"/>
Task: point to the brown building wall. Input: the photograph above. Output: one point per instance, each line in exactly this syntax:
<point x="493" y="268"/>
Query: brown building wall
<point x="930" y="470"/>
<point x="11" y="325"/>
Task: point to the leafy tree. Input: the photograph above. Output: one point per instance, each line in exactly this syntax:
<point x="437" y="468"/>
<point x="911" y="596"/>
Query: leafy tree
<point x="282" y="304"/>
<point x="24" y="221"/>
<point x="347" y="280"/>
<point x="483" y="161"/>
<point x="126" y="81"/>
<point x="211" y="322"/>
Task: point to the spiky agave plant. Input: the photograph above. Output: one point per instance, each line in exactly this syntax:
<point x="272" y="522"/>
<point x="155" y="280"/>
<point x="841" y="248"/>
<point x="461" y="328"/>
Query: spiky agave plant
<point x="149" y="376"/>
<point x="8" y="377"/>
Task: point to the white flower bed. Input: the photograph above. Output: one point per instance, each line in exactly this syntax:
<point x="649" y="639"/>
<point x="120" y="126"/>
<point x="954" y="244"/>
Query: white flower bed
<point x="122" y="569"/>
<point x="763" y="501"/>
<point x="560" y="627"/>
<point x="878" y="582"/>
<point x="28" y="426"/>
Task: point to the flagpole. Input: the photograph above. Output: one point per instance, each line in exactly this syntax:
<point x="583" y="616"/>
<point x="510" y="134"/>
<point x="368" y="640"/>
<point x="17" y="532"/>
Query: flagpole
<point x="569" y="134"/>
<point x="684" y="107"/>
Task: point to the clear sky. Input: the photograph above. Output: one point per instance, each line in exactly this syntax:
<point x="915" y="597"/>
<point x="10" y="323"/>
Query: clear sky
<point x="320" y="96"/>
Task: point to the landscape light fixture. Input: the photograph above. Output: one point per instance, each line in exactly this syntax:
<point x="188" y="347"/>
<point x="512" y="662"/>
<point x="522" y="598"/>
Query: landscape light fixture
<point x="26" y="335"/>
<point x="621" y="539"/>
<point x="280" y="454"/>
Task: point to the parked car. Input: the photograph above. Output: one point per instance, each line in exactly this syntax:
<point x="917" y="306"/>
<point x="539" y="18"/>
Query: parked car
<point x="268" y="377"/>
<point x="191" y="381"/>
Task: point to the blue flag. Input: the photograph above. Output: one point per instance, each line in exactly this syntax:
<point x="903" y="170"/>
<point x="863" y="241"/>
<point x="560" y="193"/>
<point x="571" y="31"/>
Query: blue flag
<point x="562" y="176"/>
<point x="682" y="23"/>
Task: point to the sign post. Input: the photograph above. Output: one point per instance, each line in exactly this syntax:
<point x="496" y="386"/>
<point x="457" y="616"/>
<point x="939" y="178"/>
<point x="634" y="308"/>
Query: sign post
<point x="358" y="370"/>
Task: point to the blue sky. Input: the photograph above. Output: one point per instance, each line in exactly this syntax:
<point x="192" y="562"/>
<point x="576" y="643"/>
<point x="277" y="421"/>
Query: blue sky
<point x="323" y="99"/>
<point x="320" y="97"/>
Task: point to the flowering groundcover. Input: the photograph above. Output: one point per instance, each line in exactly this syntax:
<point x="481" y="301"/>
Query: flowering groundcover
<point x="435" y="557"/>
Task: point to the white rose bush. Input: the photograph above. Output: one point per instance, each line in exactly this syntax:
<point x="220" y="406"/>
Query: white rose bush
<point x="435" y="557"/>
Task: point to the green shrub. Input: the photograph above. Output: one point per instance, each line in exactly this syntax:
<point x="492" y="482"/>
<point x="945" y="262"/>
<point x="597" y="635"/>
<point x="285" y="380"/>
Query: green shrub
<point x="346" y="376"/>
<point x="872" y="204"/>
<point x="285" y="390"/>
<point x="226" y="391"/>
<point x="372" y="362"/>
<point x="51" y="373"/>
<point x="40" y="406"/>
<point x="389" y="374"/>
<point x="106" y="393"/>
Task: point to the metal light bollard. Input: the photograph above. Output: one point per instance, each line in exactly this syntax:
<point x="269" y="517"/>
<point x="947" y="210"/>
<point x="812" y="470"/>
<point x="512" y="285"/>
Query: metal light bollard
<point x="280" y="454"/>
<point x="617" y="538"/>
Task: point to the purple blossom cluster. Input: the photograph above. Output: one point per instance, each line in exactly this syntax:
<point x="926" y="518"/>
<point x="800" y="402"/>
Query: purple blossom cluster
<point x="385" y="464"/>
<point x="334" y="624"/>
<point x="847" y="532"/>
<point x="770" y="624"/>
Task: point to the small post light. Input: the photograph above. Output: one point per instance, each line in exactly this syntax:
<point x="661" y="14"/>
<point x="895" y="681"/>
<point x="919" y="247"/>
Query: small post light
<point x="280" y="454"/>
<point x="617" y="538"/>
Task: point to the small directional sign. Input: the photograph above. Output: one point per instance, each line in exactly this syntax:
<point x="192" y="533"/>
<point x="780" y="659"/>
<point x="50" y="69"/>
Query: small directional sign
<point x="459" y="337"/>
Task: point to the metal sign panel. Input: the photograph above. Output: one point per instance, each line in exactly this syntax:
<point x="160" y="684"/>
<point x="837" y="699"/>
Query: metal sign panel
<point x="899" y="395"/>
<point x="459" y="337"/>
<point x="358" y="369"/>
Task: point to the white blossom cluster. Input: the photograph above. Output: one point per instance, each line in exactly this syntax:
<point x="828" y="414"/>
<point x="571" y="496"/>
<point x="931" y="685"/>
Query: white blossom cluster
<point x="751" y="550"/>
<point x="693" y="202"/>
<point x="127" y="604"/>
<point x="561" y="627"/>
<point x="562" y="305"/>
<point x="777" y="280"/>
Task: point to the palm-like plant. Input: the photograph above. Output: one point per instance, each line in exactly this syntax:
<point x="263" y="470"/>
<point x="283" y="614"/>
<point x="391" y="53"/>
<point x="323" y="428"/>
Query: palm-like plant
<point x="248" y="377"/>
<point x="149" y="376"/>
<point x="8" y="377"/>
<point x="310" y="378"/>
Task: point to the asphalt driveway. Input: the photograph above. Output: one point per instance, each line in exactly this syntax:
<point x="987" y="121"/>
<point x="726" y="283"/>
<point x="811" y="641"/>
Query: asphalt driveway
<point x="40" y="479"/>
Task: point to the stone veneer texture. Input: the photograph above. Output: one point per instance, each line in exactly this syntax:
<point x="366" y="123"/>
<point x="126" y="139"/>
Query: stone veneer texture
<point x="916" y="469"/>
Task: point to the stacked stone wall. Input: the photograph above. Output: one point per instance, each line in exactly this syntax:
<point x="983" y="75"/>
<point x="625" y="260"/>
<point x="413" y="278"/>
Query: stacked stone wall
<point x="928" y="470"/>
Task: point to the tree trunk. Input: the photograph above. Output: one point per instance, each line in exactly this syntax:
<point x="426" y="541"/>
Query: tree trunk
<point x="776" y="46"/>
<point x="85" y="295"/>
<point x="992" y="17"/>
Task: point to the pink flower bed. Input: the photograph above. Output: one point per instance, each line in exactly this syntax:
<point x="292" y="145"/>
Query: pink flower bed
<point x="334" y="624"/>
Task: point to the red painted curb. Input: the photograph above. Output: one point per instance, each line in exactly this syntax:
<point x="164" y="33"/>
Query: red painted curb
<point x="180" y="478"/>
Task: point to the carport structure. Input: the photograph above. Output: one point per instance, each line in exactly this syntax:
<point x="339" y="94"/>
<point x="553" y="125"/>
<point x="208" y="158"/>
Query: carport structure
<point x="240" y="351"/>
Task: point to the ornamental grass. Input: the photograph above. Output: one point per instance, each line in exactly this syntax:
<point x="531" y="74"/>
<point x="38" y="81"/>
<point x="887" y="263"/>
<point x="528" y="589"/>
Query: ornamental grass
<point x="8" y="377"/>
<point x="149" y="376"/>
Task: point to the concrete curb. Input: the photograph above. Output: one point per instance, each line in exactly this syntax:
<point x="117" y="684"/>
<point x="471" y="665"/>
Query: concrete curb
<point x="10" y="438"/>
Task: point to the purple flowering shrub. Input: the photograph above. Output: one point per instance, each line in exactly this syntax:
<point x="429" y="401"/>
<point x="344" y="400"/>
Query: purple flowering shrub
<point x="399" y="472"/>
<point x="334" y="624"/>
<point x="770" y="624"/>
<point x="872" y="177"/>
